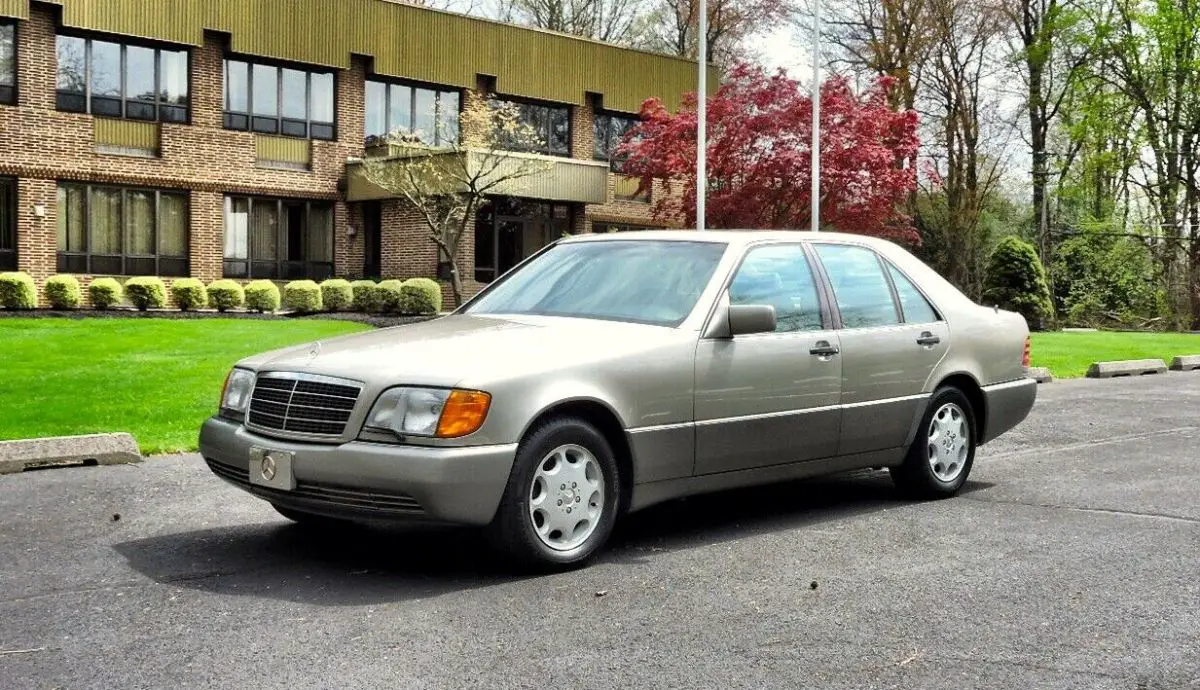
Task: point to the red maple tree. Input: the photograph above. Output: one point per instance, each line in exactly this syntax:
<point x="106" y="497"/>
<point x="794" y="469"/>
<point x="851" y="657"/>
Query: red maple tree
<point x="759" y="165"/>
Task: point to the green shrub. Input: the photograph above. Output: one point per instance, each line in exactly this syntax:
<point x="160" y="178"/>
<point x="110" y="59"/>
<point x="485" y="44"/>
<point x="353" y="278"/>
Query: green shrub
<point x="189" y="294"/>
<point x="105" y="293"/>
<point x="366" y="294"/>
<point x="388" y="296"/>
<point x="146" y="293"/>
<point x="336" y="294"/>
<point x="63" y="292"/>
<point x="302" y="296"/>
<point x="1017" y="282"/>
<point x="262" y="296"/>
<point x="420" y="296"/>
<point x="17" y="291"/>
<point x="226" y="294"/>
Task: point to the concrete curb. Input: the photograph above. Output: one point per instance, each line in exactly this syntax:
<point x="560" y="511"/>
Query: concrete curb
<point x="1040" y="374"/>
<point x="1186" y="363"/>
<point x="94" y="449"/>
<point x="1128" y="367"/>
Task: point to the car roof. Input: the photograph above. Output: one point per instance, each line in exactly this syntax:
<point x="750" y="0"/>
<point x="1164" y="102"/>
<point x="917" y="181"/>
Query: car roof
<point x="732" y="237"/>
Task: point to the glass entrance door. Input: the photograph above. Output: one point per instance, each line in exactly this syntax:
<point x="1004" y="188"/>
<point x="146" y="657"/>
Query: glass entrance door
<point x="508" y="231"/>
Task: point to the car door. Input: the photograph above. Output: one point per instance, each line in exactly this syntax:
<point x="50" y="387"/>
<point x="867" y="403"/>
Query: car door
<point x="891" y="339"/>
<point x="770" y="398"/>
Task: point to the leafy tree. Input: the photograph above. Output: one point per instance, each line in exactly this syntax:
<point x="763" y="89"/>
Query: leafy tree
<point x="1106" y="280"/>
<point x="759" y="155"/>
<point x="1017" y="282"/>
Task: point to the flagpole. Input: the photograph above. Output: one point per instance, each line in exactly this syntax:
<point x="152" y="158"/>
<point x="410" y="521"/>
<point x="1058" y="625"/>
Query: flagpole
<point x="702" y="119"/>
<point x="816" y="117"/>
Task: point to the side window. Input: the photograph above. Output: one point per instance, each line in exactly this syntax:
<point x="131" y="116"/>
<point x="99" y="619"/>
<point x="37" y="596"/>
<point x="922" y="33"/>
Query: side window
<point x="916" y="308"/>
<point x="863" y="295"/>
<point x="779" y="275"/>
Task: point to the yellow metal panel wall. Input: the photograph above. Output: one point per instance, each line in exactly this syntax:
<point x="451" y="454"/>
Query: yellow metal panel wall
<point x="126" y="133"/>
<point x="14" y="8"/>
<point x="282" y="149"/>
<point x="405" y="41"/>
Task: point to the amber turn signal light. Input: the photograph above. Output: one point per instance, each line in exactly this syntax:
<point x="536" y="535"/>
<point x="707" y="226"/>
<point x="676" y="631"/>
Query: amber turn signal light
<point x="463" y="413"/>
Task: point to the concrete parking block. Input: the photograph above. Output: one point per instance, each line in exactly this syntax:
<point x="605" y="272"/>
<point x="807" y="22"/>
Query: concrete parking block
<point x="1040" y="374"/>
<point x="93" y="449"/>
<point x="1186" y="363"/>
<point x="1128" y="367"/>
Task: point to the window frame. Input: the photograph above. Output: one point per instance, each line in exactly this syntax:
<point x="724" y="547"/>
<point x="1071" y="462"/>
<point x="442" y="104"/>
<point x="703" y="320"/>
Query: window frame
<point x="124" y="43"/>
<point x="280" y="261"/>
<point x="438" y="90"/>
<point x="62" y="257"/>
<point x="889" y="266"/>
<point x="279" y="119"/>
<point x="8" y="230"/>
<point x="8" y="94"/>
<point x="613" y="162"/>
<point x="831" y="294"/>
<point x="547" y="150"/>
<point x="829" y="316"/>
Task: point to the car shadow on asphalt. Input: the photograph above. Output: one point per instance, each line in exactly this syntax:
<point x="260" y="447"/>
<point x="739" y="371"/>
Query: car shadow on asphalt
<point x="360" y="564"/>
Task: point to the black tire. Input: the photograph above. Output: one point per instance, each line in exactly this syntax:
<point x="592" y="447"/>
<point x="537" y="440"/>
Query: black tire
<point x="916" y="477"/>
<point x="513" y="534"/>
<point x="310" y="520"/>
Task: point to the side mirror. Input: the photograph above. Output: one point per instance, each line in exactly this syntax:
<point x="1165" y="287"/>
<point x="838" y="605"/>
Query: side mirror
<point x="747" y="319"/>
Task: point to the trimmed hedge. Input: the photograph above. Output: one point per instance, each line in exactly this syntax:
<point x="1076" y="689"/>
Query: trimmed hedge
<point x="389" y="296"/>
<point x="105" y="293"/>
<point x="63" y="292"/>
<point x="420" y="296"/>
<point x="226" y="294"/>
<point x="262" y="296"/>
<point x="146" y="292"/>
<point x="302" y="296"/>
<point x="17" y="291"/>
<point x="1017" y="282"/>
<point x="366" y="295"/>
<point x="336" y="294"/>
<point x="189" y="294"/>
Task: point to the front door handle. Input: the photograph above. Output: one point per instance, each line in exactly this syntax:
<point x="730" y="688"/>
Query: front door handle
<point x="824" y="350"/>
<point x="928" y="339"/>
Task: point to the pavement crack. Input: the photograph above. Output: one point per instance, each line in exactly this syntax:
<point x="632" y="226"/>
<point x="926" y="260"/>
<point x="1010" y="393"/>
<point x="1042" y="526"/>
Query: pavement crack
<point x="1101" y="511"/>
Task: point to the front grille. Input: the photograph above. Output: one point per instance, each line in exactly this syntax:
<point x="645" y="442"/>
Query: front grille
<point x="358" y="500"/>
<point x="300" y="404"/>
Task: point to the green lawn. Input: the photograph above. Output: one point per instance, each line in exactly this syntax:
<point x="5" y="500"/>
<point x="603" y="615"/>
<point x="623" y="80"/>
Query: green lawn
<point x="155" y="378"/>
<point x="1068" y="355"/>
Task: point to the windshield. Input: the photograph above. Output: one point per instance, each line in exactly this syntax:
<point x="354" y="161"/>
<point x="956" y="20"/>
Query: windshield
<point x="644" y="281"/>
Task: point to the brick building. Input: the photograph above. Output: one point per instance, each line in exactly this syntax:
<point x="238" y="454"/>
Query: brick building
<point x="214" y="138"/>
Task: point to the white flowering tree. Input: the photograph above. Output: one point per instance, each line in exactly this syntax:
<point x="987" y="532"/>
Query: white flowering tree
<point x="448" y="183"/>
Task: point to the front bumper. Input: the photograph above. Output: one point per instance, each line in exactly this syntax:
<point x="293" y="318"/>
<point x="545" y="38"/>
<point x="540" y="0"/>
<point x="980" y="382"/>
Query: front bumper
<point x="369" y="480"/>
<point x="1007" y="405"/>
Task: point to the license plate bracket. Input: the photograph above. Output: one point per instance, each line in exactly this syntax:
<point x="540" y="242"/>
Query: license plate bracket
<point x="272" y="468"/>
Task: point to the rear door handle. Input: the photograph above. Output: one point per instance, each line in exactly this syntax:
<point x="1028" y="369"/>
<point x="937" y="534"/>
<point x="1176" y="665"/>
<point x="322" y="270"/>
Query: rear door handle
<point x="824" y="350"/>
<point x="928" y="339"/>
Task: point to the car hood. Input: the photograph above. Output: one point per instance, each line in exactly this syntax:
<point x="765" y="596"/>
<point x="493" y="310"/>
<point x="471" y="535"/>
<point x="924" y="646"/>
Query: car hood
<point x="465" y="349"/>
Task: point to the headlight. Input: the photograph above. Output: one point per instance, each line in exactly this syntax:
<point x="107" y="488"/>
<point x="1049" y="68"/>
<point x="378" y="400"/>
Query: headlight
<point x="235" y="396"/>
<point x="430" y="412"/>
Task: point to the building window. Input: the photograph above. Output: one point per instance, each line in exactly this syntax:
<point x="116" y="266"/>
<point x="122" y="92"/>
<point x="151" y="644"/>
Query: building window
<point x="122" y="230"/>
<point x="430" y="115"/>
<point x="279" y="100"/>
<point x="600" y="228"/>
<point x="119" y="80"/>
<point x="8" y="224"/>
<point x="8" y="63"/>
<point x="278" y="238"/>
<point x="550" y="123"/>
<point x="608" y="129"/>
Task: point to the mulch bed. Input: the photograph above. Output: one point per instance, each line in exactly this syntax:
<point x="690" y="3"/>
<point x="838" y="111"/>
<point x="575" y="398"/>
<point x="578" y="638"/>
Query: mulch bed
<point x="375" y="320"/>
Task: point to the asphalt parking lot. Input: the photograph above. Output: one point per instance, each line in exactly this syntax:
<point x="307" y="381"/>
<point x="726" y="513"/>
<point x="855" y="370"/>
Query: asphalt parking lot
<point x="1071" y="561"/>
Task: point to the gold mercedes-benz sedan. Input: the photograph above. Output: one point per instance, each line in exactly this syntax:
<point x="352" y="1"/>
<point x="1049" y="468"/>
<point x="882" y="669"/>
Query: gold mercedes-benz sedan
<point x="607" y="373"/>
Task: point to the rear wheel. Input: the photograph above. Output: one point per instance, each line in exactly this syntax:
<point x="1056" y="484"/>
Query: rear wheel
<point x="941" y="455"/>
<point x="562" y="496"/>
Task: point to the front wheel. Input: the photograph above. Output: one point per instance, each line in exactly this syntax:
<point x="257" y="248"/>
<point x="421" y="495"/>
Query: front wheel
<point x="941" y="455"/>
<point x="562" y="496"/>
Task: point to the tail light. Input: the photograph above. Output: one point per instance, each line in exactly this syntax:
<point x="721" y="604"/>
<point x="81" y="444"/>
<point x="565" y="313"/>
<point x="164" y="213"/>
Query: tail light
<point x="1025" y="358"/>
